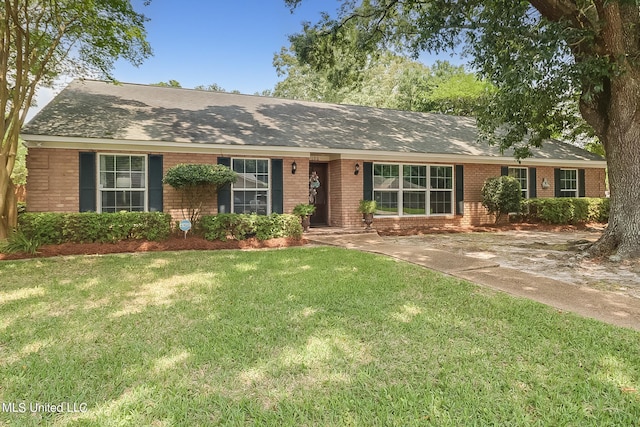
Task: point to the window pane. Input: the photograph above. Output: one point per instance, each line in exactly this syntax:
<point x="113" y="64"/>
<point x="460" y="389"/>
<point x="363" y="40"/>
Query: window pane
<point x="263" y="166"/>
<point x="238" y="165"/>
<point x="414" y="176"/>
<point x="441" y="177"/>
<point x="387" y="202"/>
<point x="414" y="203"/>
<point x="386" y="176"/>
<point x="250" y="202"/>
<point x="440" y="202"/>
<point x="137" y="163"/>
<point x="137" y="180"/>
<point x="123" y="180"/>
<point x="123" y="163"/>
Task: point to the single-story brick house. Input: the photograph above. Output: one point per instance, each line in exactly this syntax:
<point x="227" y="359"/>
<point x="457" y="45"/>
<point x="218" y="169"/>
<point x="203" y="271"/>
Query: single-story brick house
<point x="104" y="147"/>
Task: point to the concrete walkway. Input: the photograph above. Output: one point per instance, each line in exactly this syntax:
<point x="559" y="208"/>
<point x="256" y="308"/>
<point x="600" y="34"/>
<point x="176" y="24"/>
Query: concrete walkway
<point x="608" y="307"/>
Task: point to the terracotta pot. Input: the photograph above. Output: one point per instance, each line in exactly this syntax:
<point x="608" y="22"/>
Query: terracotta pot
<point x="306" y="222"/>
<point x="368" y="219"/>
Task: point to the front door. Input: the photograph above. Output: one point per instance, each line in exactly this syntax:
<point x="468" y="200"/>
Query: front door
<point x="318" y="193"/>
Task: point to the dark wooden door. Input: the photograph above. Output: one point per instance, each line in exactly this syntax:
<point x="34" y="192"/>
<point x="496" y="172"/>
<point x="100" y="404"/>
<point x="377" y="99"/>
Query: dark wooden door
<point x="318" y="175"/>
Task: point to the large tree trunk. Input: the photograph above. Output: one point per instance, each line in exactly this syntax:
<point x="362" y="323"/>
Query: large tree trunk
<point x="620" y="133"/>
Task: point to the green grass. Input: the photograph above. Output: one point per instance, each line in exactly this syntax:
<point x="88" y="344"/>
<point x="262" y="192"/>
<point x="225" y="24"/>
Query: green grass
<point x="306" y="336"/>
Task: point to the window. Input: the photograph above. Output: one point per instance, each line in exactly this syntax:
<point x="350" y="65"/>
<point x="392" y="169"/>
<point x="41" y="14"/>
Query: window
<point x="123" y="183"/>
<point x="419" y="190"/>
<point x="568" y="183"/>
<point x="521" y="174"/>
<point x="251" y="191"/>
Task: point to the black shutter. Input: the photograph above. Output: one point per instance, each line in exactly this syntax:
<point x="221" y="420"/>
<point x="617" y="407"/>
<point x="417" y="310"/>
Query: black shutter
<point x="459" y="190"/>
<point x="277" y="186"/>
<point x="533" y="191"/>
<point x="367" y="176"/>
<point x="556" y="179"/>
<point x="155" y="183"/>
<point x="88" y="189"/>
<point x="504" y="170"/>
<point x="581" y="183"/>
<point x="224" y="193"/>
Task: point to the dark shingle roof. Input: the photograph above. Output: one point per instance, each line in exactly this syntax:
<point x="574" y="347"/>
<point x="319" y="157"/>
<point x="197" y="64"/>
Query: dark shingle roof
<point x="95" y="109"/>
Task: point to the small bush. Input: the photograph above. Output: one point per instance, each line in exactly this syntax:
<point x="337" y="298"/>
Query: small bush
<point x="243" y="226"/>
<point x="501" y="195"/>
<point x="90" y="227"/>
<point x="19" y="242"/>
<point x="568" y="210"/>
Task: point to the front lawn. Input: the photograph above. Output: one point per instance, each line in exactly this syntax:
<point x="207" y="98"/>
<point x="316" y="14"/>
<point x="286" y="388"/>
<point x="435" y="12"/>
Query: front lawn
<point x="301" y="336"/>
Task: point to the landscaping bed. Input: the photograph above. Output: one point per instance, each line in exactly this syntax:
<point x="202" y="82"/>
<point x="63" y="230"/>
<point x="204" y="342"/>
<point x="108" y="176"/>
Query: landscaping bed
<point x="173" y="243"/>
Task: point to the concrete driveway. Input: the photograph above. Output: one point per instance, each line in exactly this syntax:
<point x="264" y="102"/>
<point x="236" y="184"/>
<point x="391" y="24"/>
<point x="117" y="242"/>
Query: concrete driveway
<point x="537" y="265"/>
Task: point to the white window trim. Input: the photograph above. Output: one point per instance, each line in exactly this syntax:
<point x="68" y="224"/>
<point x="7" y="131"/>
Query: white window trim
<point x="400" y="190"/>
<point x="269" y="185"/>
<point x="575" y="192"/>
<point x="526" y="169"/>
<point x="99" y="188"/>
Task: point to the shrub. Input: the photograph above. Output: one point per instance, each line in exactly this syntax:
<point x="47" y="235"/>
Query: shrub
<point x="197" y="183"/>
<point x="90" y="227"/>
<point x="501" y="195"/>
<point x="568" y="210"/>
<point x="19" y="242"/>
<point x="242" y="226"/>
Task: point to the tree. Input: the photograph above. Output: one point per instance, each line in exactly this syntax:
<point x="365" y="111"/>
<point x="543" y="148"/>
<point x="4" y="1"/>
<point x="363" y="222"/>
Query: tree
<point x="170" y="83"/>
<point x="196" y="183"/>
<point x="39" y="41"/>
<point x="387" y="80"/>
<point x="543" y="56"/>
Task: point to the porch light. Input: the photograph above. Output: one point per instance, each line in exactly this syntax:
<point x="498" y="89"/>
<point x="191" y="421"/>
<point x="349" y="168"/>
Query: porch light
<point x="357" y="169"/>
<point x="294" y="167"/>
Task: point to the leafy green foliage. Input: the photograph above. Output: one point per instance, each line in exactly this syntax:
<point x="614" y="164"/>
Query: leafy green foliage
<point x="367" y="206"/>
<point x="197" y="183"/>
<point x="303" y="209"/>
<point x="19" y="174"/>
<point x="387" y="81"/>
<point x="19" y="242"/>
<point x="243" y="226"/>
<point x="568" y="210"/>
<point x="501" y="195"/>
<point x="195" y="175"/>
<point x="170" y="83"/>
<point x="89" y="227"/>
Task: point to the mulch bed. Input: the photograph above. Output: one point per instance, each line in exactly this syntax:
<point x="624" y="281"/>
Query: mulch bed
<point x="174" y="243"/>
<point x="494" y="228"/>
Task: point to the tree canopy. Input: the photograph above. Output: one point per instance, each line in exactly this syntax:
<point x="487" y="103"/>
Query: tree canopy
<point x="547" y="59"/>
<point x="41" y="40"/>
<point x="388" y="81"/>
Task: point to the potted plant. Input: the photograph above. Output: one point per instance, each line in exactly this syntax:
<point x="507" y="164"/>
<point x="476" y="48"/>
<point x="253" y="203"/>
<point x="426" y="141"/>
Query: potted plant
<point x="304" y="211"/>
<point x="367" y="208"/>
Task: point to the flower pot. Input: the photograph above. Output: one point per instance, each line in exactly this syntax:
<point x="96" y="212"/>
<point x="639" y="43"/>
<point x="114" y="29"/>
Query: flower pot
<point x="306" y="222"/>
<point x="368" y="219"/>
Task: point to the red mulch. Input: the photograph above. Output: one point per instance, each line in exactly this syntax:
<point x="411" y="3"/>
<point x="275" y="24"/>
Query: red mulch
<point x="174" y="243"/>
<point x="516" y="226"/>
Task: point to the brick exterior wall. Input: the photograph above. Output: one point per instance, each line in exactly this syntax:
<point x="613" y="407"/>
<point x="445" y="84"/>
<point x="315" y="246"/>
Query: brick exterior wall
<point x="53" y="183"/>
<point x="296" y="186"/>
<point x="53" y="186"/>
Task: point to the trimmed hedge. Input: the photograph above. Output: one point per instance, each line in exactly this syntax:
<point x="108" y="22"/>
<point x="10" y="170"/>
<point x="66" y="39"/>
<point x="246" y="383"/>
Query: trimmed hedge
<point x="91" y="227"/>
<point x="243" y="226"/>
<point x="567" y="210"/>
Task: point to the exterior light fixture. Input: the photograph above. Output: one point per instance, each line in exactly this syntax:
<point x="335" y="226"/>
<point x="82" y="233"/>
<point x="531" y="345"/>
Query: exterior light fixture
<point x="357" y="169"/>
<point x="294" y="167"/>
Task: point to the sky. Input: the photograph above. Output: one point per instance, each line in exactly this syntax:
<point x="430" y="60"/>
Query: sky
<point x="227" y="42"/>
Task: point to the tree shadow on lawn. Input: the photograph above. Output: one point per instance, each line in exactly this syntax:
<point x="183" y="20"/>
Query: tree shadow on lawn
<point x="313" y="335"/>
